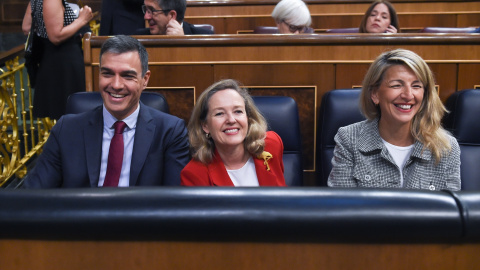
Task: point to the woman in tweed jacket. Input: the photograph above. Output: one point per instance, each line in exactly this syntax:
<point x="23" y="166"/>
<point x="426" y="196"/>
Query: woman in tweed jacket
<point x="402" y="143"/>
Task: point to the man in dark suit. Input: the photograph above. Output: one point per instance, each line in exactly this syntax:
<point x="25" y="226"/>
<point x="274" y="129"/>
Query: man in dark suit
<point x="155" y="145"/>
<point x="121" y="17"/>
<point x="165" y="17"/>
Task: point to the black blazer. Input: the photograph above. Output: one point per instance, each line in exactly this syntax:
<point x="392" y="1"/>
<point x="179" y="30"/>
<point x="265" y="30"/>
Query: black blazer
<point x="72" y="154"/>
<point x="121" y="17"/>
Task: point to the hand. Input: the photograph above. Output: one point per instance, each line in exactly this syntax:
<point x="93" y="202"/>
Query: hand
<point x="85" y="14"/>
<point x="174" y="28"/>
<point x="391" y="29"/>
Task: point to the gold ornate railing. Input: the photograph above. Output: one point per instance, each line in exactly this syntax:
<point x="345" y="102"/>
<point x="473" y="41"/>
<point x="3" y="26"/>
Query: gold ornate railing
<point x="21" y="136"/>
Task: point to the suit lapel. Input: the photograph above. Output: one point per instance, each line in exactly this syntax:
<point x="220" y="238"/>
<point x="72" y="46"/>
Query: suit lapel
<point x="218" y="172"/>
<point x="144" y="133"/>
<point x="92" y="139"/>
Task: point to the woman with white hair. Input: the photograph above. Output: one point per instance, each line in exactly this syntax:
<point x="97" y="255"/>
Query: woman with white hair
<point x="292" y="16"/>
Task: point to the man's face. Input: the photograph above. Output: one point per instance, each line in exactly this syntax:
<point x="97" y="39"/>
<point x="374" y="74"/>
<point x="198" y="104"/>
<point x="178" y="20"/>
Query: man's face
<point x="157" y="20"/>
<point x="121" y="82"/>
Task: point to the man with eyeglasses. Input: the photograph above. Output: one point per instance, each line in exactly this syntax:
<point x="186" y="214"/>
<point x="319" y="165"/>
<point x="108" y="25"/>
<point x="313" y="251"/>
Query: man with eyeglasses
<point x="165" y="17"/>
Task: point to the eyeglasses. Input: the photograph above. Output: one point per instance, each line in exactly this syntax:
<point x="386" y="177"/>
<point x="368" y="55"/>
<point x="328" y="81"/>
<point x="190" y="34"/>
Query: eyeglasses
<point x="150" y="11"/>
<point x="293" y="28"/>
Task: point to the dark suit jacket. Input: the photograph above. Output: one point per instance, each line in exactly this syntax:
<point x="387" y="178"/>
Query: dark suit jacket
<point x="215" y="173"/>
<point x="188" y="29"/>
<point x="71" y="156"/>
<point x="121" y="17"/>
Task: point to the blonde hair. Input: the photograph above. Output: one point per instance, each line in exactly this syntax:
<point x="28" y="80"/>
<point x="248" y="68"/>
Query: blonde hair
<point x="426" y="124"/>
<point x="203" y="148"/>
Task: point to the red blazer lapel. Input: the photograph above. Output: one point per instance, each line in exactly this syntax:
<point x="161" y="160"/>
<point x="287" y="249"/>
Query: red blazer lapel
<point x="265" y="178"/>
<point x="218" y="172"/>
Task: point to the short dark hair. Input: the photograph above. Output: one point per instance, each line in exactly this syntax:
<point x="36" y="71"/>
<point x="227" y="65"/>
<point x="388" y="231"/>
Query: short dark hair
<point x="178" y="5"/>
<point x="122" y="44"/>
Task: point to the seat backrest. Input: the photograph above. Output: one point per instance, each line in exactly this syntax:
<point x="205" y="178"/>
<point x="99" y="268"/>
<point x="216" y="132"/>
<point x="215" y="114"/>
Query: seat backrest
<point x="339" y="108"/>
<point x="85" y="101"/>
<point x="447" y="29"/>
<point x="281" y="114"/>
<point x="342" y="30"/>
<point x="265" y="30"/>
<point x="274" y="30"/>
<point x="462" y="122"/>
<point x="205" y="27"/>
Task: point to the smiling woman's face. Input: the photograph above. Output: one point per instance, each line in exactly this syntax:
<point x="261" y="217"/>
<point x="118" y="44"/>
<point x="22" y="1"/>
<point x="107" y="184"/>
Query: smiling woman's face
<point x="399" y="96"/>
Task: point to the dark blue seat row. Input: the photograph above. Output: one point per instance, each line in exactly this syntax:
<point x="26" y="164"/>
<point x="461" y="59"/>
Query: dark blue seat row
<point x="241" y="214"/>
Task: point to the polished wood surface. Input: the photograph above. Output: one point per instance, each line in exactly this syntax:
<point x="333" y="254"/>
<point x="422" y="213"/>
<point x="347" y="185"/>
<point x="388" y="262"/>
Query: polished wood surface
<point x="301" y="66"/>
<point x="53" y="255"/>
<point x="12" y="11"/>
<point x="411" y="21"/>
<point x="255" y="7"/>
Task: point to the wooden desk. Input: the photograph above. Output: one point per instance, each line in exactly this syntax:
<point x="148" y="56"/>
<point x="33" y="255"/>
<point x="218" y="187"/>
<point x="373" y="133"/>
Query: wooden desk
<point x="301" y="66"/>
<point x="265" y="7"/>
<point x="411" y="21"/>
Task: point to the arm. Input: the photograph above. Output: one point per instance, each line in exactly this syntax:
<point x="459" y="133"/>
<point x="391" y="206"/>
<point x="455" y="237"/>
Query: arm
<point x="177" y="155"/>
<point x="57" y="33"/>
<point x="342" y="162"/>
<point x="452" y="168"/>
<point x="391" y="29"/>
<point x="27" y="20"/>
<point x="174" y="28"/>
<point x="47" y="173"/>
<point x="195" y="174"/>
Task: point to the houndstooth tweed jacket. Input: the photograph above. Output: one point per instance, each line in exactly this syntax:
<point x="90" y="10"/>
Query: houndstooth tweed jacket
<point x="360" y="159"/>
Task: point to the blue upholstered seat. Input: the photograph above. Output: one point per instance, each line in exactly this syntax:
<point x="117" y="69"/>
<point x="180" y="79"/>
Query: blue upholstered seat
<point x="205" y="27"/>
<point x="274" y="30"/>
<point x="85" y="101"/>
<point x="462" y="122"/>
<point x="339" y="108"/>
<point x="447" y="29"/>
<point x="281" y="114"/>
<point x="342" y="30"/>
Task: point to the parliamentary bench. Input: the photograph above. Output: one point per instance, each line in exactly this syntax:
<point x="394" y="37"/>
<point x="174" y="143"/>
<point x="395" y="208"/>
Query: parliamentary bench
<point x="264" y="228"/>
<point x="409" y="21"/>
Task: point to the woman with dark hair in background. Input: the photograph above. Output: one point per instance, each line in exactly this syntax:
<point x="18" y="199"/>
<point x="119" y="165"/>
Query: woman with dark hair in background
<point x="380" y="17"/>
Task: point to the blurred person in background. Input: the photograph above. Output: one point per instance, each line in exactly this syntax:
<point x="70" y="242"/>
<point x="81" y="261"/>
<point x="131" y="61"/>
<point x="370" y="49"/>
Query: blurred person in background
<point x="292" y="17"/>
<point x="380" y="17"/>
<point x="61" y="71"/>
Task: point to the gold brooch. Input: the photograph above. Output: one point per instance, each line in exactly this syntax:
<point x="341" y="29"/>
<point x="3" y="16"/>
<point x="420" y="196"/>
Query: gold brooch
<point x="265" y="156"/>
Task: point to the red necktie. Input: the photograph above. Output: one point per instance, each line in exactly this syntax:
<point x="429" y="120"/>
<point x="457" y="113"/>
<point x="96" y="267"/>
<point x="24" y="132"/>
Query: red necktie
<point x="115" y="156"/>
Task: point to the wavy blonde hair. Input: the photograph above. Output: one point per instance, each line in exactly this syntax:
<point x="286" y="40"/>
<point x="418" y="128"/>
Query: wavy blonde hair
<point x="203" y="148"/>
<point x="426" y="124"/>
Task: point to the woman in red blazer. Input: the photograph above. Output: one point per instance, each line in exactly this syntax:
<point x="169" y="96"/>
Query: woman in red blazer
<point x="229" y="142"/>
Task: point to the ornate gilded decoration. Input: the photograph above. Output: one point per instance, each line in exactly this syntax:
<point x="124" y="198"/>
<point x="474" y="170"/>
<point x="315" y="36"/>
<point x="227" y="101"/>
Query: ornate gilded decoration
<point x="21" y="136"/>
